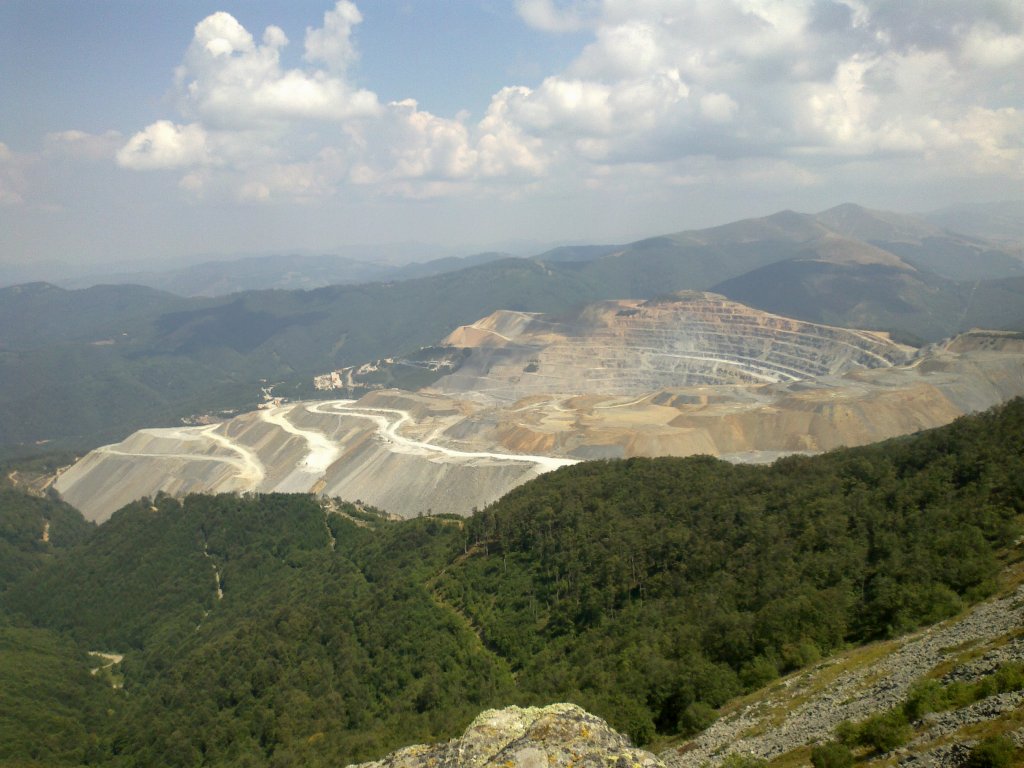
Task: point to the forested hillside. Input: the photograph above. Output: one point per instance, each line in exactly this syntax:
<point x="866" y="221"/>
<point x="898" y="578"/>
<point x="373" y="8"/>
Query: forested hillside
<point x="652" y="588"/>
<point x="32" y="530"/>
<point x="50" y="705"/>
<point x="282" y="630"/>
<point x="75" y="379"/>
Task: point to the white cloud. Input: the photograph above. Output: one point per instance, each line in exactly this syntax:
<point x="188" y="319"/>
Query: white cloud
<point x="428" y="146"/>
<point x="165" y="145"/>
<point x="994" y="138"/>
<point x="633" y="48"/>
<point x="767" y="77"/>
<point x="265" y="132"/>
<point x="718" y="107"/>
<point x="545" y="15"/>
<point x="221" y="35"/>
<point x="332" y="43"/>
<point x="564" y="105"/>
<point x="409" y="148"/>
<point x="290" y="180"/>
<point x="12" y="180"/>
<point x="766" y="84"/>
<point x="505" y="148"/>
<point x="991" y="48"/>
<point x="228" y="81"/>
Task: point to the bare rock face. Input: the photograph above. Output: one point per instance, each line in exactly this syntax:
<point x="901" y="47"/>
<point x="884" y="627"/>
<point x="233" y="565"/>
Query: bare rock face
<point x="631" y="347"/>
<point x="536" y="737"/>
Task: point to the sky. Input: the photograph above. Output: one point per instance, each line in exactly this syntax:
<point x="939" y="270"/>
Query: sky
<point x="158" y="132"/>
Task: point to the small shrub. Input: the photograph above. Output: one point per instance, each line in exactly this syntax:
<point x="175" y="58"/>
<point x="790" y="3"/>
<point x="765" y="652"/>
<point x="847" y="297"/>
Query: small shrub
<point x="847" y="733"/>
<point x="993" y="752"/>
<point x="831" y="755"/>
<point x="758" y="672"/>
<point x="931" y="696"/>
<point x="959" y="694"/>
<point x="695" y="718"/>
<point x="799" y="655"/>
<point x="632" y="718"/>
<point x="924" y="697"/>
<point x="1010" y="677"/>
<point x="884" y="732"/>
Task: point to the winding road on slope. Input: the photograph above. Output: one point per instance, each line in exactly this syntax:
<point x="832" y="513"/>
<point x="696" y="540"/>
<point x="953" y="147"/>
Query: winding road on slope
<point x="390" y="420"/>
<point x="322" y="452"/>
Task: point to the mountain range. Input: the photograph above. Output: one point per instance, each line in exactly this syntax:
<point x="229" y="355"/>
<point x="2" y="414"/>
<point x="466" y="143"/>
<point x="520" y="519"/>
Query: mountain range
<point x="142" y="357"/>
<point x="995" y="226"/>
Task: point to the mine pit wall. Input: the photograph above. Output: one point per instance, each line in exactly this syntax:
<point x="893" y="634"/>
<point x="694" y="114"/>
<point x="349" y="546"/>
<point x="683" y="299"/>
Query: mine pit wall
<point x="753" y="422"/>
<point x="632" y="347"/>
<point x="978" y="380"/>
<point x="418" y="406"/>
<point x="804" y="426"/>
<point x="758" y="424"/>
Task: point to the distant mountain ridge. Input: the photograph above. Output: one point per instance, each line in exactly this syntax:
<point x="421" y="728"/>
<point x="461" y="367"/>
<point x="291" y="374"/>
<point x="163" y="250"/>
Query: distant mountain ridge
<point x="79" y="367"/>
<point x="210" y="279"/>
<point x="989" y="245"/>
<point x="1001" y="221"/>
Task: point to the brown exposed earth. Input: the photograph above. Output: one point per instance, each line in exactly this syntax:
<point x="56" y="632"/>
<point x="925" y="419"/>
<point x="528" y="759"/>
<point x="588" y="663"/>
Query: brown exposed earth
<point x="635" y="347"/>
<point x="692" y="374"/>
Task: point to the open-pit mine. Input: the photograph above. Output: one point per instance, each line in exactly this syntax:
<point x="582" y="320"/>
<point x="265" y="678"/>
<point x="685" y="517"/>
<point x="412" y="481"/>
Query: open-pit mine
<point x="689" y="374"/>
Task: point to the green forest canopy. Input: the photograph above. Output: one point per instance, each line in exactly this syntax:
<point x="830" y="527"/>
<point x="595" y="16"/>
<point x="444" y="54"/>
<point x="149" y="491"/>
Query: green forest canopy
<point x="650" y="591"/>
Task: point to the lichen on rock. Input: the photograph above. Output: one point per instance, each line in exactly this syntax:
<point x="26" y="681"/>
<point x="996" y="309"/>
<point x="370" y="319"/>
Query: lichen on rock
<point x="533" y="737"/>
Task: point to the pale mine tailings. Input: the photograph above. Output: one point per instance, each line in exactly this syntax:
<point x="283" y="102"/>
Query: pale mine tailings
<point x="369" y="451"/>
<point x="697" y="374"/>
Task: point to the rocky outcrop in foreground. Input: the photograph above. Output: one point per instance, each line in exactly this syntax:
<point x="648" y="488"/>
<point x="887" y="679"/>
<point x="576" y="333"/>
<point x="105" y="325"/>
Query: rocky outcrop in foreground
<point x="536" y="737"/>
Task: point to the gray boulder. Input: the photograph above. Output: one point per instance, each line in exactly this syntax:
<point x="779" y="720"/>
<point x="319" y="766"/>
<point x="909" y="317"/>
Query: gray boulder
<point x="534" y="737"/>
